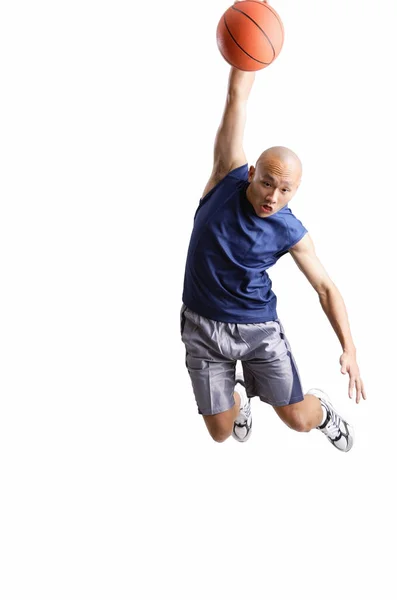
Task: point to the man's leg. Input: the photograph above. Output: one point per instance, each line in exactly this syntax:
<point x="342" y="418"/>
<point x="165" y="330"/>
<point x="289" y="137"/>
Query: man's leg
<point x="220" y="395"/>
<point x="271" y="373"/>
<point x="220" y="426"/>
<point x="302" y="416"/>
<point x="236" y="421"/>
<point x="316" y="411"/>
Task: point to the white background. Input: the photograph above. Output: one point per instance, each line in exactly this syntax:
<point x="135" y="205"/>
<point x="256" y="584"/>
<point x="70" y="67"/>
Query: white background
<point x="111" y="487"/>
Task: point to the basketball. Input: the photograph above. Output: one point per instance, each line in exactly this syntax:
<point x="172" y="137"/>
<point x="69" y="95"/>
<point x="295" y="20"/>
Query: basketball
<point x="250" y="35"/>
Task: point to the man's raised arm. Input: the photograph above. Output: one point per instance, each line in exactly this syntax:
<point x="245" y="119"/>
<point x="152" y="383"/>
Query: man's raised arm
<point x="228" y="151"/>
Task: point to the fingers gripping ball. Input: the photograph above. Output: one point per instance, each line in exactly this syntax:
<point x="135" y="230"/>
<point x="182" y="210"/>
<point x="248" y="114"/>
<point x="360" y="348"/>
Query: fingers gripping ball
<point x="250" y="35"/>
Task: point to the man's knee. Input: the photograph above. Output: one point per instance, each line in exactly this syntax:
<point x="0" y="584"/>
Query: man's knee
<point x="295" y="418"/>
<point x="300" y="423"/>
<point x="219" y="426"/>
<point x="220" y="435"/>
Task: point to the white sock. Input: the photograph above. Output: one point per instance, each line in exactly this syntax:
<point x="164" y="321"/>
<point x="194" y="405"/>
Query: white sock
<point x="325" y="414"/>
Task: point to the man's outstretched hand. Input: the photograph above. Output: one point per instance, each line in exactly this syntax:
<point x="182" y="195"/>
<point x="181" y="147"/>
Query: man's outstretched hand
<point x="349" y="365"/>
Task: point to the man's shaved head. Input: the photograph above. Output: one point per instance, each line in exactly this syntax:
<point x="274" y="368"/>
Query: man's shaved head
<point x="274" y="180"/>
<point x="283" y="155"/>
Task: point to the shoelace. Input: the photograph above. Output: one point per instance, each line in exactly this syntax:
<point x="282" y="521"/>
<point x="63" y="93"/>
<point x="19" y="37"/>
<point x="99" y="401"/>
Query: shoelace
<point x="246" y="409"/>
<point x="333" y="426"/>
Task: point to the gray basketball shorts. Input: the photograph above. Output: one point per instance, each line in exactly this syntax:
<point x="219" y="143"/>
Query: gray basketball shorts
<point x="212" y="349"/>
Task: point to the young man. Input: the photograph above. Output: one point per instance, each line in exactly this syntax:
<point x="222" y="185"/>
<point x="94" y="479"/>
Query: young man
<point x="242" y="226"/>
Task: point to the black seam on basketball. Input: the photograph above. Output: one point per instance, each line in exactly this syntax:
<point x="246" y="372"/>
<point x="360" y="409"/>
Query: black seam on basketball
<point x="259" y="27"/>
<point x="242" y="49"/>
<point x="271" y="10"/>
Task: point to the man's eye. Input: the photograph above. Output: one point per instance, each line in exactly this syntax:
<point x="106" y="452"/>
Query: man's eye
<point x="285" y="191"/>
<point x="266" y="184"/>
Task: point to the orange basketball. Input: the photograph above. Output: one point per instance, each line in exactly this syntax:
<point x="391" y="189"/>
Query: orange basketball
<point x="250" y="35"/>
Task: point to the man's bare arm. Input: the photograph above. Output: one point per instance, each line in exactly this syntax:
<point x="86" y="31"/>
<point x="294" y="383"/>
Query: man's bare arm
<point x="334" y="307"/>
<point x="228" y="150"/>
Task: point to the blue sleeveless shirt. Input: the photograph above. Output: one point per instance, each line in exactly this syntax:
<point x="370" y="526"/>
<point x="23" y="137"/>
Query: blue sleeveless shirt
<point x="229" y="253"/>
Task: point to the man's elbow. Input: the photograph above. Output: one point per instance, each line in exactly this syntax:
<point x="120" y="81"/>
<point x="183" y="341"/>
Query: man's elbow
<point x="325" y="288"/>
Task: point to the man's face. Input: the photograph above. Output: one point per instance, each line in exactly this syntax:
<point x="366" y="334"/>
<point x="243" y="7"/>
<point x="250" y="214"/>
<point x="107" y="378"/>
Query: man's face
<point x="272" y="185"/>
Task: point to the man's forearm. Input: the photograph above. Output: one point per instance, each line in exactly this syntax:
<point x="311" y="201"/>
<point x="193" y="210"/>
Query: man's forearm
<point x="228" y="150"/>
<point x="334" y="307"/>
<point x="240" y="83"/>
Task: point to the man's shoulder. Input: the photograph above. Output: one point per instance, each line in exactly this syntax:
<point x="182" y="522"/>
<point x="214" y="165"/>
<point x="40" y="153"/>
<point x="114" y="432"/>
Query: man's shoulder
<point x="287" y="215"/>
<point x="295" y="228"/>
<point x="235" y="179"/>
<point x="286" y="211"/>
<point x="240" y="173"/>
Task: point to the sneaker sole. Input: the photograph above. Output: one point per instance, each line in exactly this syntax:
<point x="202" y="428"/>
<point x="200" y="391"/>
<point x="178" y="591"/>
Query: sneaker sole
<point x="247" y="437"/>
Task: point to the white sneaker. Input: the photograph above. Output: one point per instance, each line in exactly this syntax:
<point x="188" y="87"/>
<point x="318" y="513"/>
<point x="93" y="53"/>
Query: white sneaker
<point x="242" y="427"/>
<point x="337" y="430"/>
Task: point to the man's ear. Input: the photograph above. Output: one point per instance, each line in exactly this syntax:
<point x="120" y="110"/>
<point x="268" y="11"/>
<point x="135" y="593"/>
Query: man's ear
<point x="251" y="173"/>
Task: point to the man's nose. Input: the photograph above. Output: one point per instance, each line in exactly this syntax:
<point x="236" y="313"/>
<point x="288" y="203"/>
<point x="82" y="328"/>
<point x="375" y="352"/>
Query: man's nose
<point x="272" y="196"/>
